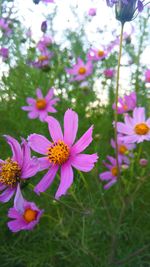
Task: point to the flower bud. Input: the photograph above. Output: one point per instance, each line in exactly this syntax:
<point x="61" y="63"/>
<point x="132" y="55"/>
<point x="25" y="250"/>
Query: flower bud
<point x="125" y="10"/>
<point x="44" y="26"/>
<point x="143" y="162"/>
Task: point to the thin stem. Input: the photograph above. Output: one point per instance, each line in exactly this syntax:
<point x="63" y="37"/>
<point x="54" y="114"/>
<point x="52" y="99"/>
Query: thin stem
<point x="58" y="201"/>
<point x="117" y="94"/>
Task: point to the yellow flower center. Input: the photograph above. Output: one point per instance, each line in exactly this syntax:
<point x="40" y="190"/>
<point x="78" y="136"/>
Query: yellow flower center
<point x="30" y="215"/>
<point x="10" y="173"/>
<point x="101" y="53"/>
<point x="114" y="171"/>
<point x="82" y="71"/>
<point x="58" y="153"/>
<point x="122" y="149"/>
<point x="42" y="58"/>
<point x="41" y="103"/>
<point x="141" y="129"/>
<point x="125" y="107"/>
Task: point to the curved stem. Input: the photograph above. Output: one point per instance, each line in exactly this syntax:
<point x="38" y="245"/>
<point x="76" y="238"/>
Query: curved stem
<point x="117" y="94"/>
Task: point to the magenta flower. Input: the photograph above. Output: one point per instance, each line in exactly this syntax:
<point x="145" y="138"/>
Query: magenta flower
<point x="44" y="43"/>
<point x="80" y="70"/>
<point x="124" y="150"/>
<point x="126" y="104"/>
<point x="15" y="170"/>
<point x="4" y="52"/>
<point x="39" y="108"/>
<point x="62" y="153"/>
<point x="96" y="54"/>
<point x="109" y="73"/>
<point x="25" y="218"/>
<point x="110" y="176"/>
<point x="136" y="129"/>
<point x="92" y="12"/>
<point x="147" y="76"/>
<point x="43" y="60"/>
<point x="48" y="1"/>
<point x="4" y="26"/>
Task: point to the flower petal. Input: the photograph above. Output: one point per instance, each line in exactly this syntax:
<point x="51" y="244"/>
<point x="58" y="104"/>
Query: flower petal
<point x="16" y="225"/>
<point x="105" y="176"/>
<point x="66" y="180"/>
<point x="39" y="93"/>
<point x="70" y="126"/>
<point x="83" y="142"/>
<point x="19" y="201"/>
<point x="46" y="180"/>
<point x="54" y="129"/>
<point x="16" y="149"/>
<point x="49" y="94"/>
<point x="7" y="194"/>
<point x="39" y="143"/>
<point x="33" y="114"/>
<point x="84" y="162"/>
<point x="43" y="163"/>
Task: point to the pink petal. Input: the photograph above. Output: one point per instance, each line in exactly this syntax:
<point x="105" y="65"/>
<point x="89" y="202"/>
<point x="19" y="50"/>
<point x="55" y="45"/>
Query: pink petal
<point x="139" y="115"/>
<point x="105" y="176"/>
<point x="42" y="115"/>
<point x="30" y="100"/>
<point x="16" y="149"/>
<point x="66" y="180"/>
<point x="124" y="129"/>
<point x="19" y="201"/>
<point x="84" y="162"/>
<point x="70" y="126"/>
<point x="39" y="93"/>
<point x="39" y="143"/>
<point x="33" y="114"/>
<point x="16" y="225"/>
<point x="44" y="163"/>
<point x="7" y="194"/>
<point x="27" y="108"/>
<point x="49" y="94"/>
<point x="31" y="169"/>
<point x="13" y="214"/>
<point x="108" y="185"/>
<point x="54" y="129"/>
<point x="46" y="180"/>
<point x="83" y="142"/>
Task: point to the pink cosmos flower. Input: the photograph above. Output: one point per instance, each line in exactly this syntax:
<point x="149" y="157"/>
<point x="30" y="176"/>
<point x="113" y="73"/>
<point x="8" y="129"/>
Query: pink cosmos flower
<point x="43" y="60"/>
<point x="136" y="129"/>
<point x="24" y="218"/>
<point x="80" y="70"/>
<point x="110" y="176"/>
<point x="92" y="12"/>
<point x="147" y="76"/>
<point x="124" y="150"/>
<point x="14" y="170"/>
<point x="125" y="104"/>
<point x="4" y="25"/>
<point x="109" y="73"/>
<point x="4" y="52"/>
<point x="44" y="43"/>
<point x="39" y="108"/>
<point x="62" y="153"/>
<point x="97" y="54"/>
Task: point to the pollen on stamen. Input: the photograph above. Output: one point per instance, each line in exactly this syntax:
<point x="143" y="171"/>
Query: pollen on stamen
<point x="10" y="173"/>
<point x="58" y="152"/>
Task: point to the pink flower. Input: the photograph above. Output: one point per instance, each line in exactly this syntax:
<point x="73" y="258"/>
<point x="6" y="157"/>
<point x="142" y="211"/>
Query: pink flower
<point x="4" y="52"/>
<point x="25" y="217"/>
<point x="92" y="12"/>
<point x="110" y="176"/>
<point x="48" y="1"/>
<point x="147" y="76"/>
<point x="123" y="149"/>
<point x="4" y="25"/>
<point x="136" y="129"/>
<point x="80" y="70"/>
<point x="39" y="108"/>
<point x="126" y="104"/>
<point x="96" y="54"/>
<point x="61" y="153"/>
<point x="109" y="73"/>
<point x="44" y="43"/>
<point x="14" y="170"/>
<point x="43" y="60"/>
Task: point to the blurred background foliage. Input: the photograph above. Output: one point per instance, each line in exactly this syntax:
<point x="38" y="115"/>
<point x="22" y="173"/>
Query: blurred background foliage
<point x="78" y="230"/>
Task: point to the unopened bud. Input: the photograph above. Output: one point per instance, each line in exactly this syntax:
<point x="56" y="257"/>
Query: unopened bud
<point x="125" y="11"/>
<point x="143" y="162"/>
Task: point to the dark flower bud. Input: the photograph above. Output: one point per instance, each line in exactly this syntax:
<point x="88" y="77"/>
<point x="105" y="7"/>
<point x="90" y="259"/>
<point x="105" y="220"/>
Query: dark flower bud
<point x="36" y="1"/>
<point x="44" y="26"/>
<point x="125" y="10"/>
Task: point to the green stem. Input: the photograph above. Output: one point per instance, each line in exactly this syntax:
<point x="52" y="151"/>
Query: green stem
<point x="117" y="94"/>
<point x="58" y="201"/>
